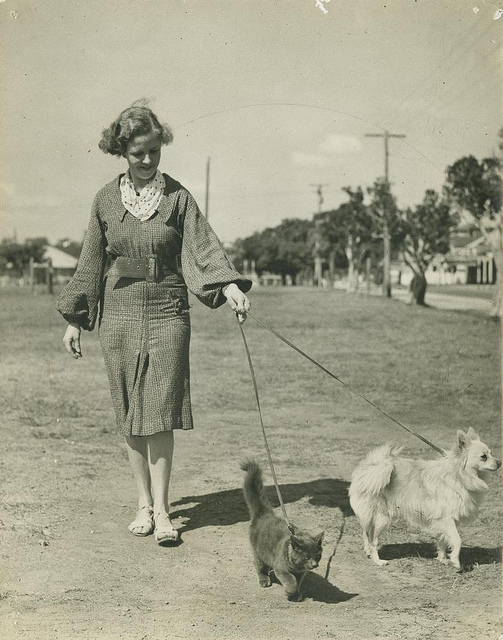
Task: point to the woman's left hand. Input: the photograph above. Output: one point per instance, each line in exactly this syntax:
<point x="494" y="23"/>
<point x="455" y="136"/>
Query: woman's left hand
<point x="237" y="300"/>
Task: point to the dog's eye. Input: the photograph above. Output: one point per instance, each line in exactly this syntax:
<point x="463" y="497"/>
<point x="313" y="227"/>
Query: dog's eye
<point x="483" y="457"/>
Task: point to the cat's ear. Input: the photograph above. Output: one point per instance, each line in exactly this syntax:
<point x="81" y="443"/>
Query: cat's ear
<point x="296" y="543"/>
<point x="319" y="538"/>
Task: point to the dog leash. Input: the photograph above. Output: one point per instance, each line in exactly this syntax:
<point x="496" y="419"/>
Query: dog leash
<point x="271" y="465"/>
<point x="331" y="556"/>
<point x="344" y="384"/>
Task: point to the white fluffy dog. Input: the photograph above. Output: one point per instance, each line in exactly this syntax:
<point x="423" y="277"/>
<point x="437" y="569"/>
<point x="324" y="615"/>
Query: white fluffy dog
<point x="435" y="495"/>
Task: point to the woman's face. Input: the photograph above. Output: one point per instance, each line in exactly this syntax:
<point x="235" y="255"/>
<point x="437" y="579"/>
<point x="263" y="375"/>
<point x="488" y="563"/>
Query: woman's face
<point x="143" y="155"/>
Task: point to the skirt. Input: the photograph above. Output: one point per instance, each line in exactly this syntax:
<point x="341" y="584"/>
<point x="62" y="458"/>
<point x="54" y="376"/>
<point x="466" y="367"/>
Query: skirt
<point x="145" y="335"/>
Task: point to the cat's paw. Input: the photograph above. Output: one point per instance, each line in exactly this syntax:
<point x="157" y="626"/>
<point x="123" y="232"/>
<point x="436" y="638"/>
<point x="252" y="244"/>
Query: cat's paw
<point x="265" y="582"/>
<point x="294" y="597"/>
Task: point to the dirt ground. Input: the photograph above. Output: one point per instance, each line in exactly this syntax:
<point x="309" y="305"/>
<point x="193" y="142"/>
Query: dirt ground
<point x="71" y="569"/>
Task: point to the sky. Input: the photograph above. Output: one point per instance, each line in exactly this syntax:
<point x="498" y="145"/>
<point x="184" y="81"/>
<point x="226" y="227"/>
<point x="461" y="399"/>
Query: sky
<point x="279" y="95"/>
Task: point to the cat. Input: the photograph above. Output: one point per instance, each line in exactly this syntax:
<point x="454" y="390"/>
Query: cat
<point x="289" y="552"/>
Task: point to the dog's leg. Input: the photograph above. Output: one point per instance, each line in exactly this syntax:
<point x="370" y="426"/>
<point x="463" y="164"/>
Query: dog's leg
<point x="366" y="544"/>
<point x="454" y="544"/>
<point x="448" y="538"/>
<point x="442" y="550"/>
<point x="379" y="524"/>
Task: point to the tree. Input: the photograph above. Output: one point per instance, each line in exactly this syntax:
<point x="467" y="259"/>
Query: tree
<point x="424" y="232"/>
<point x="285" y="249"/>
<point x="383" y="211"/>
<point x="474" y="187"/>
<point x="15" y="257"/>
<point x="348" y="229"/>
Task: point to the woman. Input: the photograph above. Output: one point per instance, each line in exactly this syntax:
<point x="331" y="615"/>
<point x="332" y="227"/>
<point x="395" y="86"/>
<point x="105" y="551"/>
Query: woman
<point x="149" y="228"/>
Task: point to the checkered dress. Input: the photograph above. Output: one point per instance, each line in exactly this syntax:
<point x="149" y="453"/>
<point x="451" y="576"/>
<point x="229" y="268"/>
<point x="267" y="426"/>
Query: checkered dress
<point x="145" y="326"/>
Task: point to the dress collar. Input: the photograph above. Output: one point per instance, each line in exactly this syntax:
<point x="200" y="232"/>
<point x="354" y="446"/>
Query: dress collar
<point x="166" y="204"/>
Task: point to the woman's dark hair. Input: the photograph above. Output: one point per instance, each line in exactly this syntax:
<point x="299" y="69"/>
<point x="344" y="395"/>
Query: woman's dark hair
<point x="136" y="120"/>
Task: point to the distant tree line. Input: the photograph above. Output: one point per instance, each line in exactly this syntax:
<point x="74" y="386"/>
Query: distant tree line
<point x="15" y="256"/>
<point x="350" y="236"/>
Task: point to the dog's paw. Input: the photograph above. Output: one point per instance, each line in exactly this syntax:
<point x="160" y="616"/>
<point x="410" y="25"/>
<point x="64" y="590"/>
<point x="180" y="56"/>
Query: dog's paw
<point x="379" y="562"/>
<point x="443" y="559"/>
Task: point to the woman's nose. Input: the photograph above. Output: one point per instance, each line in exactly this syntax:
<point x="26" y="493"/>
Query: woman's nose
<point x="147" y="159"/>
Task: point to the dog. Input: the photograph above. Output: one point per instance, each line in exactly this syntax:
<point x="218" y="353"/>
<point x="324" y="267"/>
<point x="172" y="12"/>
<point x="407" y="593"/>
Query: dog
<point x="434" y="495"/>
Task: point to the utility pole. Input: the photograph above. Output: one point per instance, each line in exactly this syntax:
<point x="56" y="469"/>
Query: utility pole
<point x="207" y="201"/>
<point x="318" y="272"/>
<point x="385" y="231"/>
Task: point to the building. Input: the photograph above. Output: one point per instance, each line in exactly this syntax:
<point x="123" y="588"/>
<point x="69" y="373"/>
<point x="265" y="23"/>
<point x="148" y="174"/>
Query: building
<point x="469" y="261"/>
<point x="63" y="264"/>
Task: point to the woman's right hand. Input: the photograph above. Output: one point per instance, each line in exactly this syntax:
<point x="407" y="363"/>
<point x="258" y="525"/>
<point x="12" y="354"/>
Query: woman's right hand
<point x="71" y="340"/>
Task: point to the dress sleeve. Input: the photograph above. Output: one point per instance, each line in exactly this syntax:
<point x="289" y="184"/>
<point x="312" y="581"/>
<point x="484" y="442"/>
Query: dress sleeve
<point x="206" y="267"/>
<point x="78" y="301"/>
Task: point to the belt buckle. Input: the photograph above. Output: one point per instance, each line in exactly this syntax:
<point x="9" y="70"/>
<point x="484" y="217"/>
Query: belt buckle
<point x="151" y="269"/>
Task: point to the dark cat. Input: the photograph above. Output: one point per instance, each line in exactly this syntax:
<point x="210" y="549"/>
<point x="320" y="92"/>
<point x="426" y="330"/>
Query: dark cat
<point x="289" y="554"/>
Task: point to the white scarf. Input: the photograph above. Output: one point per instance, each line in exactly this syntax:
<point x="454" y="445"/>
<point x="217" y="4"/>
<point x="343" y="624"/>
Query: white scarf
<point x="144" y="205"/>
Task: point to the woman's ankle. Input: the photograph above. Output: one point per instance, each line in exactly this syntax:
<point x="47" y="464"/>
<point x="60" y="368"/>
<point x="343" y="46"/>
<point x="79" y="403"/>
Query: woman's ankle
<point x="145" y="501"/>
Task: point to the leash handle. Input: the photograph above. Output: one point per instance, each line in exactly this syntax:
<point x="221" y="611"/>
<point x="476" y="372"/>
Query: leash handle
<point x="255" y="388"/>
<point x="344" y="384"/>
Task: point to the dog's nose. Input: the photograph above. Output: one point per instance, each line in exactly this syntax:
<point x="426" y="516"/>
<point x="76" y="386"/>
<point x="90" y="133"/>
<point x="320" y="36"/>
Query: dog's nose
<point x="499" y="464"/>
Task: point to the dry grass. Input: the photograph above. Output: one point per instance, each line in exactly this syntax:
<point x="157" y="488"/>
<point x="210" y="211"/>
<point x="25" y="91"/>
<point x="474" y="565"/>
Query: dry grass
<point x="71" y="569"/>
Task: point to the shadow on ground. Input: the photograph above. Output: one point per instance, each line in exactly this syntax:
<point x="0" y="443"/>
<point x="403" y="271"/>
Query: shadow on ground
<point x="469" y="556"/>
<point x="315" y="587"/>
<point x="321" y="590"/>
<point x="225" y="508"/>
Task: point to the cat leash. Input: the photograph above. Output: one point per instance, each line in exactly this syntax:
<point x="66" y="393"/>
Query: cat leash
<point x="269" y="457"/>
<point x="344" y="384"/>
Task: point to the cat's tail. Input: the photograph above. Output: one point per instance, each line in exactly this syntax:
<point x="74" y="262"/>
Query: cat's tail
<point x="253" y="489"/>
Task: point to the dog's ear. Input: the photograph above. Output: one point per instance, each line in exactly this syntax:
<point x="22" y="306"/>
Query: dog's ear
<point x="472" y="434"/>
<point x="462" y="439"/>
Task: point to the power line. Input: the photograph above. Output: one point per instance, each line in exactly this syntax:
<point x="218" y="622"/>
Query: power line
<point x="444" y="69"/>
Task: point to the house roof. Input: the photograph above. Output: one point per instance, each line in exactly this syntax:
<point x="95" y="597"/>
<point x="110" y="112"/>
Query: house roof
<point x="60" y="259"/>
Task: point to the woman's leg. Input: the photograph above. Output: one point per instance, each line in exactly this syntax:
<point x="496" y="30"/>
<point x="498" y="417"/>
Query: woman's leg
<point x="160" y="458"/>
<point x="160" y="450"/>
<point x="137" y="449"/>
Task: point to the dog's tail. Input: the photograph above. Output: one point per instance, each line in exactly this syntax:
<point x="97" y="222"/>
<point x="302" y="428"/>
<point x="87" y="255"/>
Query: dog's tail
<point x="253" y="489"/>
<point x="374" y="473"/>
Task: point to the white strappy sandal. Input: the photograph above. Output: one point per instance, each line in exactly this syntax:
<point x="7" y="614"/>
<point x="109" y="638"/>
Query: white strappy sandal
<point x="144" y="521"/>
<point x="164" y="532"/>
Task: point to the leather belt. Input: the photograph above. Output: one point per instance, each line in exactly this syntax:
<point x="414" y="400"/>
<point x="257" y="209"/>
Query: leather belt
<point x="149" y="268"/>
